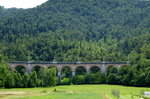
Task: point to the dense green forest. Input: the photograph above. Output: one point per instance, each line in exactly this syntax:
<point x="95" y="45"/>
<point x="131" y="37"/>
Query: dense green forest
<point x="88" y="30"/>
<point x="68" y="29"/>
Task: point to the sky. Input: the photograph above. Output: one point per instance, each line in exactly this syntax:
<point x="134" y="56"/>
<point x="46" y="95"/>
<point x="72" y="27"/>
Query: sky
<point x="21" y="3"/>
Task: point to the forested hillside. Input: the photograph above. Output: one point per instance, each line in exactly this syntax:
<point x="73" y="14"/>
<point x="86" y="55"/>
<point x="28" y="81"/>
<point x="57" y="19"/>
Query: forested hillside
<point x="76" y="30"/>
<point x="68" y="29"/>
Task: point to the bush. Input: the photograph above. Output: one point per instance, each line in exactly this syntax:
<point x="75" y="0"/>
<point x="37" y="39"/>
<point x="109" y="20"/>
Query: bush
<point x="79" y="79"/>
<point x="66" y="81"/>
<point x="9" y="82"/>
<point x="97" y="78"/>
<point x="112" y="79"/>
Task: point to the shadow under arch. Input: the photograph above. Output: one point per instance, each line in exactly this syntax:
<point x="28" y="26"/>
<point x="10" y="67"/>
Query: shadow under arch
<point x="20" y="69"/>
<point x="66" y="72"/>
<point x="80" y="70"/>
<point x="95" y="69"/>
<point x="54" y="67"/>
<point x="111" y="69"/>
<point x="36" y="68"/>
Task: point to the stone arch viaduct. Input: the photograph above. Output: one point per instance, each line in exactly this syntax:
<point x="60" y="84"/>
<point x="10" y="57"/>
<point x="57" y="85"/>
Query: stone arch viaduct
<point x="59" y="65"/>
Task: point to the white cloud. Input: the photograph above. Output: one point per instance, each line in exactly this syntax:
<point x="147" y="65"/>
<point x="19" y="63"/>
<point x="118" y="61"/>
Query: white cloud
<point x="21" y="3"/>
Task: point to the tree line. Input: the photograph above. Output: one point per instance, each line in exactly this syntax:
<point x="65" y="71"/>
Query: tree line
<point x="130" y="75"/>
<point x="14" y="79"/>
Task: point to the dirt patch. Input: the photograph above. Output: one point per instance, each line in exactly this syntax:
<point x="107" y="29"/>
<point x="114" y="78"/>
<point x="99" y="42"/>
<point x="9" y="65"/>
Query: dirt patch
<point x="12" y="93"/>
<point x="105" y="96"/>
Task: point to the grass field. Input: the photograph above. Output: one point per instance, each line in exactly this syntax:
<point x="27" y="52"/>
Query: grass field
<point x="73" y="92"/>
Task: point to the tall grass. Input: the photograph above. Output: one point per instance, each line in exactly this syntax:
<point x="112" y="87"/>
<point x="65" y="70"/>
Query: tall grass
<point x="116" y="93"/>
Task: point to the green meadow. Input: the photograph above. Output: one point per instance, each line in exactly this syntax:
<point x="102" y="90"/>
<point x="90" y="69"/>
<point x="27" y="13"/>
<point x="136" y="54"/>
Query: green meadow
<point x="74" y="92"/>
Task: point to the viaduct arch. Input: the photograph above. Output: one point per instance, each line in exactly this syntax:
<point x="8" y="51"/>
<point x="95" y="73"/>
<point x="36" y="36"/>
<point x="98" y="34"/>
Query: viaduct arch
<point x="59" y="65"/>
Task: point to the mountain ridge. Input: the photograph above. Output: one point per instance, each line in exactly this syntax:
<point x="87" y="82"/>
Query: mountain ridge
<point x="55" y="16"/>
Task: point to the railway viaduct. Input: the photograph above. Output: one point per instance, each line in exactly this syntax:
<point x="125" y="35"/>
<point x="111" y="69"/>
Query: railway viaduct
<point x="59" y="65"/>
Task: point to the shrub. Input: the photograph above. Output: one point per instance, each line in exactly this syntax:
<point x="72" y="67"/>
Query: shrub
<point x="66" y="81"/>
<point x="79" y="79"/>
<point x="97" y="78"/>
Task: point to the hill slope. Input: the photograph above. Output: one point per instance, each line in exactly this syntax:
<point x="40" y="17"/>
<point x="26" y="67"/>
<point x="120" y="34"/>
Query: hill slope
<point x="70" y="29"/>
